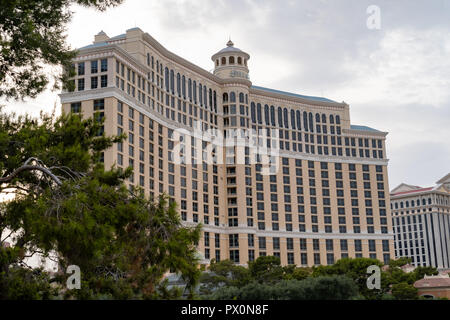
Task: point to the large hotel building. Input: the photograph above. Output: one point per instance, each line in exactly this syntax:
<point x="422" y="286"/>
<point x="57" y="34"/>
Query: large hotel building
<point x="203" y="138"/>
<point x="421" y="220"/>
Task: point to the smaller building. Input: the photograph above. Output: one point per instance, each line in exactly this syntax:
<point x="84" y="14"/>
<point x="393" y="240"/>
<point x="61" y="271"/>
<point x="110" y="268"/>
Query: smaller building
<point x="434" y="286"/>
<point x="421" y="223"/>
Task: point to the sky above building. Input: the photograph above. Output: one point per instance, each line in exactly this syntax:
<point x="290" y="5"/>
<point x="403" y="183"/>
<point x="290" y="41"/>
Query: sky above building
<point x="394" y="71"/>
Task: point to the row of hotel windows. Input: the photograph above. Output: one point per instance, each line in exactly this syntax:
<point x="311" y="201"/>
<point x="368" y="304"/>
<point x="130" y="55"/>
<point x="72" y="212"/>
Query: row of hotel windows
<point x="231" y="60"/>
<point x="284" y="143"/>
<point x="233" y="212"/>
<point x="440" y="200"/>
<point x="329" y="243"/>
<point x="94" y="83"/>
<point x="94" y="67"/>
<point x="205" y="95"/>
<point x="295" y="118"/>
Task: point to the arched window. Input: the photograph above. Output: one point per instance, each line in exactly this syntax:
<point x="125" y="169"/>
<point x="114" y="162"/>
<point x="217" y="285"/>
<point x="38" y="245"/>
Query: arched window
<point x="293" y="119"/>
<point x="205" y="96"/>
<point x="317" y="117"/>
<point x="280" y="117"/>
<point x="224" y="61"/>
<point x="324" y="118"/>
<point x="331" y="119"/>
<point x="166" y="74"/>
<point x="241" y="97"/>
<point x="215" y="101"/>
<point x="259" y="113"/>
<point x="311" y="122"/>
<point x="194" y="91"/>
<point x="178" y="84"/>
<point x="210" y="99"/>
<point x="305" y="120"/>
<point x="225" y="97"/>
<point x="200" y="94"/>
<point x="286" y="120"/>
<point x="232" y="97"/>
<point x="217" y="62"/>
<point x="231" y="60"/>
<point x="148" y="59"/>
<point x="266" y="115"/>
<point x="172" y="82"/>
<point x="253" y="112"/>
<point x="190" y="89"/>
<point x="239" y="59"/>
<point x="183" y="86"/>
<point x="299" y="121"/>
<point x="272" y="115"/>
<point x="338" y="119"/>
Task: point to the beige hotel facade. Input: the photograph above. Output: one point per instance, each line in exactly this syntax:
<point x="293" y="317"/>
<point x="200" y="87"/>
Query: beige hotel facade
<point x="324" y="194"/>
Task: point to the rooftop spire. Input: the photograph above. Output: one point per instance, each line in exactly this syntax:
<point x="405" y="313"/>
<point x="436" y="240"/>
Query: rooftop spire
<point x="230" y="43"/>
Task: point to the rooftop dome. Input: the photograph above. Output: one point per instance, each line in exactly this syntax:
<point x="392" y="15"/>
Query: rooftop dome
<point x="230" y="48"/>
<point x="231" y="62"/>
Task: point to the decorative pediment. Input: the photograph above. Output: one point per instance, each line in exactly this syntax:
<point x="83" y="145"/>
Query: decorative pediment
<point x="403" y="187"/>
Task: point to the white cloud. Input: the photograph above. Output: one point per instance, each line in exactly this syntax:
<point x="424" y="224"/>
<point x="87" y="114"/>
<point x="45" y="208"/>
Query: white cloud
<point x="409" y="66"/>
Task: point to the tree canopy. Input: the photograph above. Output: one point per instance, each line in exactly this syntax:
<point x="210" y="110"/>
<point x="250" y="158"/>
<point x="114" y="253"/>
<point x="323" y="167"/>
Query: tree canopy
<point x="67" y="203"/>
<point x="265" y="278"/>
<point x="32" y="37"/>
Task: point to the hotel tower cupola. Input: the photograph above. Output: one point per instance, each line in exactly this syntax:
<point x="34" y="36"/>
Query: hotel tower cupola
<point x="231" y="62"/>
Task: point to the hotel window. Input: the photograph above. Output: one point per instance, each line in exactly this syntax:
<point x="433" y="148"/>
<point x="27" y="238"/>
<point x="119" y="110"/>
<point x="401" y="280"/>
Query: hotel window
<point x="104" y="65"/>
<point x="276" y="243"/>
<point x="99" y="104"/>
<point x="372" y="246"/>
<point x="259" y="113"/>
<point x="262" y="242"/>
<point x="286" y="120"/>
<point x="290" y="244"/>
<point x="311" y="122"/>
<point x="317" y="258"/>
<point x="94" y="66"/>
<point x="81" y="84"/>
<point x="104" y="81"/>
<point x="330" y="258"/>
<point x="94" y="82"/>
<point x="272" y="115"/>
<point x="251" y="255"/>
<point x="358" y="245"/>
<point x="305" y="120"/>
<point x="75" y="107"/>
<point x="293" y="119"/>
<point x="280" y="117"/>
<point x="81" y="69"/>
<point x="253" y="112"/>
<point x="234" y="256"/>
<point x="234" y="240"/>
<point x="290" y="258"/>
<point x="344" y="245"/>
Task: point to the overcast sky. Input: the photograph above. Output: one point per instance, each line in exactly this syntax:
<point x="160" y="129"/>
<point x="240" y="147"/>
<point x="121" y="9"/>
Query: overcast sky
<point x="395" y="79"/>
